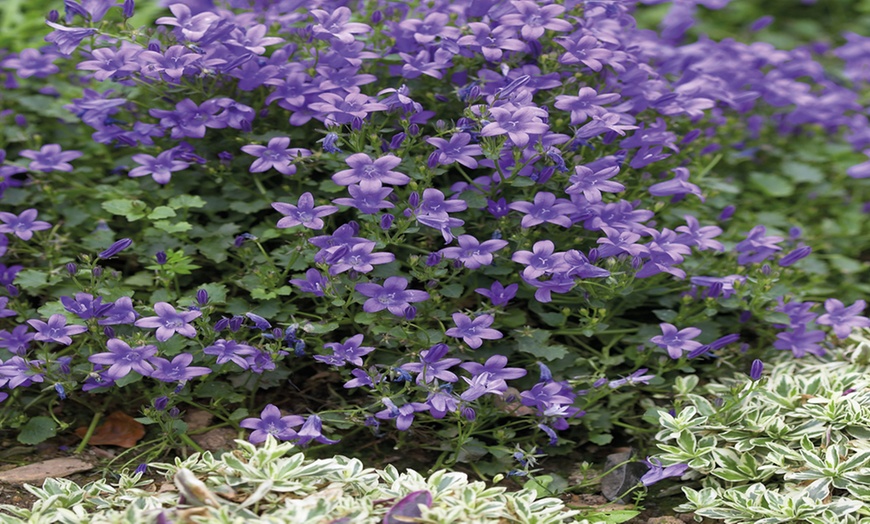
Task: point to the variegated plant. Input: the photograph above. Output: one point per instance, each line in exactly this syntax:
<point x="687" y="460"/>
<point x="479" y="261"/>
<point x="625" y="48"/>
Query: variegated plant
<point x="792" y="447"/>
<point x="275" y="483"/>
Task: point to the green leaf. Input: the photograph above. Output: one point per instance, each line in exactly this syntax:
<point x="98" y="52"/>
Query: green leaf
<point x="165" y="225"/>
<point x="772" y="185"/>
<point x="183" y="201"/>
<point x="452" y="290"/>
<point x="602" y="439"/>
<point x="474" y="199"/>
<point x="803" y="172"/>
<point x="616" y="516"/>
<point x="319" y="328"/>
<point x="534" y="342"/>
<point x="37" y="429"/>
<point x="31" y="279"/>
<point x="131" y="209"/>
<point x="248" y="207"/>
<point x="161" y="212"/>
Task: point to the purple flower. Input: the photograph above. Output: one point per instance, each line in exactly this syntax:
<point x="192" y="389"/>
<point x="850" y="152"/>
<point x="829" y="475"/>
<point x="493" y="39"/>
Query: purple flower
<point x="121" y="359"/>
<point x="676" y="342"/>
<point x="187" y="120"/>
<point x="50" y="157"/>
<point x="585" y="50"/>
<point x="192" y="27"/>
<point x="32" y="63"/>
<point x="4" y="313"/>
<point x="843" y="319"/>
<point x="55" y="330"/>
<point x="369" y="201"/>
<point x="169" y="64"/>
<point x="85" y="306"/>
<point x="314" y="282"/>
<point x="358" y="257"/>
<point x="800" y="342"/>
<point x="518" y="125"/>
<point x="404" y="416"/>
<point x="490" y="41"/>
<point x="347" y="351"/>
<point x="336" y="25"/>
<point x="160" y="168"/>
<point x="499" y="294"/>
<point x="230" y="351"/>
<point x="701" y="237"/>
<point x="587" y="102"/>
<point x="340" y="110"/>
<point x="169" y="322"/>
<point x="677" y="186"/>
<point x="121" y="312"/>
<point x="312" y="429"/>
<point x="493" y="369"/>
<point x="112" y="64"/>
<point x="457" y="150"/>
<point x="533" y="18"/>
<point x="67" y="38"/>
<point x="541" y="260"/>
<point x="272" y="423"/>
<point x="392" y="296"/>
<point x="657" y="472"/>
<point x="546" y="208"/>
<point x="17" y="341"/>
<point x="276" y="155"/>
<point x="303" y="213"/>
<point x="472" y="253"/>
<point x="370" y="174"/>
<point x="22" y="225"/>
<point x="21" y="372"/>
<point x="636" y="377"/>
<point x="756" y="247"/>
<point x="592" y="182"/>
<point x="178" y="370"/>
<point x="433" y="365"/>
<point x="472" y="332"/>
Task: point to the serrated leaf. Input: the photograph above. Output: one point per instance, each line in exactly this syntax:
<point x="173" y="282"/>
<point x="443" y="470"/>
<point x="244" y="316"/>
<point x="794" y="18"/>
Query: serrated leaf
<point x="31" y="279"/>
<point x="183" y="201"/>
<point x="37" y="429"/>
<point x="772" y="185"/>
<point x="161" y="212"/>
<point x="452" y="290"/>
<point x="169" y="227"/>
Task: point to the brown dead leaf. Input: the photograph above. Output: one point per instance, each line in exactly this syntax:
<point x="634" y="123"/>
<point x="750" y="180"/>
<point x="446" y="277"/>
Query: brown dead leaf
<point x="39" y="471"/>
<point x="119" y="429"/>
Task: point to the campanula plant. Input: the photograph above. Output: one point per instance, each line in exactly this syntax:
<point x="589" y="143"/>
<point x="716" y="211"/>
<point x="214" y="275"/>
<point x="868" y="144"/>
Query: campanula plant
<point x="464" y="226"/>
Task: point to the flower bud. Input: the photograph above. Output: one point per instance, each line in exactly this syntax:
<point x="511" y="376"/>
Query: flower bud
<point x="221" y="324"/>
<point x="756" y="369"/>
<point x="12" y="290"/>
<point x="72" y="269"/>
<point x="236" y="323"/>
<point x="726" y="213"/>
<point x="160" y="257"/>
<point x="794" y="256"/>
<point x="109" y="332"/>
<point x="202" y="297"/>
<point x="377" y="16"/>
<point x="410" y="312"/>
<point x="115" y="248"/>
<point x="414" y="129"/>
<point x="387" y="221"/>
<point x="160" y="403"/>
<point x="53" y="16"/>
<point x="128" y="8"/>
<point x="433" y="259"/>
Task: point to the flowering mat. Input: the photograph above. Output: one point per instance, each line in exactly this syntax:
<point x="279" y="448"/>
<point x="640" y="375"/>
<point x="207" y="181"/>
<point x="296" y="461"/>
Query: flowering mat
<point x="592" y="260"/>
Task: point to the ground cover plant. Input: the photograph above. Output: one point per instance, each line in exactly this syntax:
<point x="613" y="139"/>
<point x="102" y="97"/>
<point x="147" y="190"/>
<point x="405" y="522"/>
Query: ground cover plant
<point x="495" y="231"/>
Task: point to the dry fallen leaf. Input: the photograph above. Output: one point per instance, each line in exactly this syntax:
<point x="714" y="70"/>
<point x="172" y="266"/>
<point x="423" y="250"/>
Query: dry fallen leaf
<point x="39" y="471"/>
<point x="119" y="429"/>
